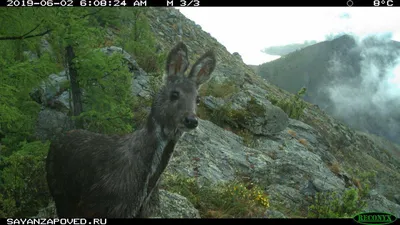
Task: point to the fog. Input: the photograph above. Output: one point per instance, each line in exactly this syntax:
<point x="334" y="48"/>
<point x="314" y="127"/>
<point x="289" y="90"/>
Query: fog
<point x="370" y="100"/>
<point x="249" y="30"/>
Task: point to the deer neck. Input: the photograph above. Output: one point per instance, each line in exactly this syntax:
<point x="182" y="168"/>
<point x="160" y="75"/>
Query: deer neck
<point x="163" y="142"/>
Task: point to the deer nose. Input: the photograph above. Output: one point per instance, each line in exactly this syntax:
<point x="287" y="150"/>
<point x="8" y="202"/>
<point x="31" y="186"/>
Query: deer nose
<point x="191" y="122"/>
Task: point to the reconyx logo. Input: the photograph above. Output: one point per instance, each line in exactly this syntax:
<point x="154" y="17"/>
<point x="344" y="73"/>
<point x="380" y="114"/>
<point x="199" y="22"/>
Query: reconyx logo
<point x="374" y="218"/>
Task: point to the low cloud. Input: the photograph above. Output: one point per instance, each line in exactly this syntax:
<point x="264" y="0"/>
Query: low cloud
<point x="369" y="101"/>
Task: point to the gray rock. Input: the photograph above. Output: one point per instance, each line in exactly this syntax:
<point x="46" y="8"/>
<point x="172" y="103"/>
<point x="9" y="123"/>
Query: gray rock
<point x="282" y="160"/>
<point x="52" y="92"/>
<point x="217" y="155"/>
<point x="255" y="90"/>
<point x="173" y="205"/>
<point x="172" y="14"/>
<point x="295" y="166"/>
<point x="30" y="55"/>
<point x="315" y="142"/>
<point x="141" y="82"/>
<point x="45" y="45"/>
<point x="237" y="55"/>
<point x="379" y="203"/>
<point x="274" y="214"/>
<point x="397" y="199"/>
<point x="286" y="197"/>
<point x="52" y="123"/>
<point x="213" y="103"/>
<point x="220" y="153"/>
<point x="47" y="212"/>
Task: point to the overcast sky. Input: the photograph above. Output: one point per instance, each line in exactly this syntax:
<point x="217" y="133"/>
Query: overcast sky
<point x="248" y="30"/>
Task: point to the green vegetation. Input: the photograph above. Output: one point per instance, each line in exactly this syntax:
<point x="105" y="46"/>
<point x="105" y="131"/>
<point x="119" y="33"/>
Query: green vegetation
<point x="136" y="37"/>
<point x="348" y="204"/>
<point x="227" y="116"/>
<point x="293" y="106"/>
<point x="333" y="205"/>
<point x="363" y="180"/>
<point x="229" y="200"/>
<point x="34" y="44"/>
<point x="108" y="97"/>
<point x="248" y="138"/>
<point x="219" y="90"/>
<point x="23" y="184"/>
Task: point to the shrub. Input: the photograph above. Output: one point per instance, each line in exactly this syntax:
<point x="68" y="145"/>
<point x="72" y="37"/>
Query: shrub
<point x="333" y="205"/>
<point x="335" y="168"/>
<point x="219" y="90"/>
<point x="293" y="106"/>
<point x="23" y="182"/>
<point x="365" y="177"/>
<point x="136" y="37"/>
<point x="227" y="200"/>
<point x="107" y="98"/>
<point x="303" y="141"/>
<point x="292" y="133"/>
<point x="226" y="116"/>
<point x="248" y="138"/>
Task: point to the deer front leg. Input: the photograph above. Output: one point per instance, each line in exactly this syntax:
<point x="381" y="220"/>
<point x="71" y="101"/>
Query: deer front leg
<point x="151" y="206"/>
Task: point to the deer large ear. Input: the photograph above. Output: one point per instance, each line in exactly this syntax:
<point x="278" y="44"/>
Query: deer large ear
<point x="177" y="61"/>
<point x="202" y="69"/>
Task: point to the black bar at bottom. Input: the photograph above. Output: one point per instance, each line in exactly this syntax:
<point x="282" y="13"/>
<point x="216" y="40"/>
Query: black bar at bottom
<point x="109" y="221"/>
<point x="197" y="3"/>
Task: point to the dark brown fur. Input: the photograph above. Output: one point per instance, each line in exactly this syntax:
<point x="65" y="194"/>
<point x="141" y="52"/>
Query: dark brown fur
<point x="96" y="175"/>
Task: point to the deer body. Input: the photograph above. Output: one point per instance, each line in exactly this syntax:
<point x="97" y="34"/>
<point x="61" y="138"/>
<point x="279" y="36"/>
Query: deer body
<point x="96" y="175"/>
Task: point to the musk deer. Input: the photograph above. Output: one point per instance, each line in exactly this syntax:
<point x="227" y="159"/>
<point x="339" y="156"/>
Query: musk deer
<point x="96" y="175"/>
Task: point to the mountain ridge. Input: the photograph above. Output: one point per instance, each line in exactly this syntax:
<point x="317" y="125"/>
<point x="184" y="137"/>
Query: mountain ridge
<point x="338" y="65"/>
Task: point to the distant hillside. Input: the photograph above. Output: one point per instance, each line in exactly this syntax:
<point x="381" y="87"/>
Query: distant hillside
<point x="254" y="67"/>
<point x="286" y="49"/>
<point x="346" y="78"/>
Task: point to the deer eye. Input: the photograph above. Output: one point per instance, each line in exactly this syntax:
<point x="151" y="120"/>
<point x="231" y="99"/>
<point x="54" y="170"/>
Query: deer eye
<point x="198" y="100"/>
<point x="174" y="95"/>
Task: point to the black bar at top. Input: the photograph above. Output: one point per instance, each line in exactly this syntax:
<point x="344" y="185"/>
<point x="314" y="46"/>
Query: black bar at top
<point x="199" y="3"/>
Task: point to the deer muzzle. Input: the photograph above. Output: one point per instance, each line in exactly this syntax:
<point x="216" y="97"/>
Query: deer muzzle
<point x="191" y="121"/>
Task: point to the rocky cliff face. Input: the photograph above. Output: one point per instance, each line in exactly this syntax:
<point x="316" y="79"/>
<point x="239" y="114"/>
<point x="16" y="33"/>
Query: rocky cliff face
<point x="290" y="159"/>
